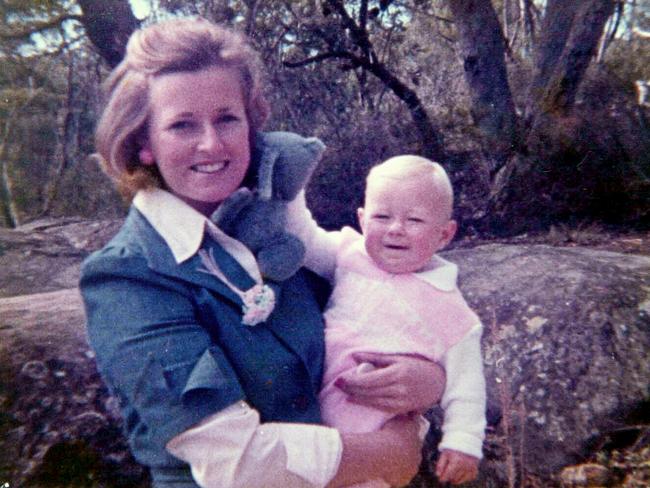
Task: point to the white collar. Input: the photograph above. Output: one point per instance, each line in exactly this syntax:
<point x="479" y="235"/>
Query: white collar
<point x="440" y="273"/>
<point x="182" y="228"/>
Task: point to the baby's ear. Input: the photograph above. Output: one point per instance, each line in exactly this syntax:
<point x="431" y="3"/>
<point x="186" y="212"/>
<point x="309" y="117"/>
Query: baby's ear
<point x="362" y="225"/>
<point x="448" y="232"/>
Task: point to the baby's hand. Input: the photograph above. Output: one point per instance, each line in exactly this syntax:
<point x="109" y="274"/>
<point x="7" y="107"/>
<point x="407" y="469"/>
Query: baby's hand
<point x="456" y="467"/>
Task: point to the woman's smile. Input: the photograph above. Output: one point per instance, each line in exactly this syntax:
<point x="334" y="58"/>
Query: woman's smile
<point x="209" y="168"/>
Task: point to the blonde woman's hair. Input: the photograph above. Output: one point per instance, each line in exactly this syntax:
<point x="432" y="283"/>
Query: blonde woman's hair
<point x="179" y="45"/>
<point x="409" y="166"/>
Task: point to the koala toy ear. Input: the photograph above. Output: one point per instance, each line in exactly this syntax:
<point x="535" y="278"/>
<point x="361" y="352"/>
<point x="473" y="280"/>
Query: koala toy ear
<point x="294" y="172"/>
<point x="297" y="159"/>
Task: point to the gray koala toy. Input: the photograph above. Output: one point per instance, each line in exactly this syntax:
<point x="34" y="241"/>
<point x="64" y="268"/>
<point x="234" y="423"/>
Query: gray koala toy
<point x="283" y="163"/>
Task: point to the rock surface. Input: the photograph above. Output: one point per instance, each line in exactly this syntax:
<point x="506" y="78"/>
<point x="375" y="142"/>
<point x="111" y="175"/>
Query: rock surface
<point x="58" y="425"/>
<point x="45" y="255"/>
<point x="566" y="341"/>
<point x="567" y="332"/>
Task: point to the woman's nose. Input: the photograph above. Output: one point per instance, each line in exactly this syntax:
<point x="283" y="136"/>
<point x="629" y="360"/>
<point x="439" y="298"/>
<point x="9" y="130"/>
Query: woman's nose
<point x="210" y="140"/>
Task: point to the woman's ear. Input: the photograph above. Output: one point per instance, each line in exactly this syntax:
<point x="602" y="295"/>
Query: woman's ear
<point x="146" y="156"/>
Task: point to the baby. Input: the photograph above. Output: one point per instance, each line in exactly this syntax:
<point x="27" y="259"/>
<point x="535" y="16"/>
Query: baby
<point x="393" y="295"/>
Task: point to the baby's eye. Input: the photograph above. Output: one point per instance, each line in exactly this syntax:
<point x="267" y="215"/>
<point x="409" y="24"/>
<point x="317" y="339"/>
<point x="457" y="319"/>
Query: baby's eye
<point x="181" y="125"/>
<point x="380" y="217"/>
<point x="416" y="220"/>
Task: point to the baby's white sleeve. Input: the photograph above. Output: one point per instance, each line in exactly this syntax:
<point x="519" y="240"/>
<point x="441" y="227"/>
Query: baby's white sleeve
<point x="464" y="398"/>
<point x="320" y="245"/>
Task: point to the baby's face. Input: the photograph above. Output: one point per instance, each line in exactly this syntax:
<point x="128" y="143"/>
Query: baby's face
<point x="404" y="223"/>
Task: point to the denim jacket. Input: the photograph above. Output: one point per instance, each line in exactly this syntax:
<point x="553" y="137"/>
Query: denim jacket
<point x="171" y="346"/>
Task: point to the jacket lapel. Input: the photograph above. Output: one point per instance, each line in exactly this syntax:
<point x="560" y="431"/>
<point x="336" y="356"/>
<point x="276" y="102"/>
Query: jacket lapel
<point x="160" y="259"/>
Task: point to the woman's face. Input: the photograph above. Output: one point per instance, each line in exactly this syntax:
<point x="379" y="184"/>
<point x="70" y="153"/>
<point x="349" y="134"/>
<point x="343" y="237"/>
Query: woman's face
<point x="198" y="135"/>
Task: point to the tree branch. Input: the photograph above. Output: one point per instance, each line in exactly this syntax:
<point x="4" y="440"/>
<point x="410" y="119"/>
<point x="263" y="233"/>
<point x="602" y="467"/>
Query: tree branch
<point x="34" y="28"/>
<point x="322" y="57"/>
<point x="359" y="35"/>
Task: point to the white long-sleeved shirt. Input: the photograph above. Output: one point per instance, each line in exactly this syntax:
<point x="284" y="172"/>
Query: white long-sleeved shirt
<point x="464" y="398"/>
<point x="232" y="448"/>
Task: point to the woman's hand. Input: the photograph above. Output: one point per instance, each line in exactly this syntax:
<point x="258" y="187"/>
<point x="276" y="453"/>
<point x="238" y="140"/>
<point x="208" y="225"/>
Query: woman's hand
<point x="456" y="467"/>
<point x="396" y="383"/>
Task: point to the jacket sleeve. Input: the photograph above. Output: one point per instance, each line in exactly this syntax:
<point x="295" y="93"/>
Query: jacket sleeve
<point x="151" y="351"/>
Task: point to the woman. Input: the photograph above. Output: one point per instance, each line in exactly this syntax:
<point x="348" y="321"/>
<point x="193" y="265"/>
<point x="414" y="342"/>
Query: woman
<point x="207" y="399"/>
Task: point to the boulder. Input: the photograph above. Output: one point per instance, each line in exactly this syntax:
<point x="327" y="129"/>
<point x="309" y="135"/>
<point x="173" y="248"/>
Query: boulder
<point x="565" y="344"/>
<point x="565" y="347"/>
<point x="58" y="426"/>
<point x="45" y="255"/>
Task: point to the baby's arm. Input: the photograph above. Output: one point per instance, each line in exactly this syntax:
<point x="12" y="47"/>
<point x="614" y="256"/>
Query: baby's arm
<point x="464" y="404"/>
<point x="320" y="245"/>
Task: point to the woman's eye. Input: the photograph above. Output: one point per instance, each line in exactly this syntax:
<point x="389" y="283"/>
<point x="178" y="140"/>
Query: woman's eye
<point x="227" y="118"/>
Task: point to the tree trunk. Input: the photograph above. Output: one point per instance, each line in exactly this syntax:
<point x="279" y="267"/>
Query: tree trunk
<point x="555" y="176"/>
<point x="7" y="203"/>
<point x="9" y="214"/>
<point x="108" y="24"/>
<point x="556" y="26"/>
<point x="65" y="134"/>
<point x="483" y="53"/>
<point x="570" y="35"/>
<point x="526" y="9"/>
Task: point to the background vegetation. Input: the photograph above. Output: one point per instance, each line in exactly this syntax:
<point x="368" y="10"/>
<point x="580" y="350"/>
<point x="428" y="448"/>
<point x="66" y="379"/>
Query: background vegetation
<point x="532" y="106"/>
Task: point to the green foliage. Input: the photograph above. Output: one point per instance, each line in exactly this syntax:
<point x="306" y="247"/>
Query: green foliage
<point x="33" y="26"/>
<point x="48" y="108"/>
<point x="351" y="110"/>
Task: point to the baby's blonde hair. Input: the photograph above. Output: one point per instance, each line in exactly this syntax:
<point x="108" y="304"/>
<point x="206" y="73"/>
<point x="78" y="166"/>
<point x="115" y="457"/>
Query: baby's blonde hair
<point x="409" y="166"/>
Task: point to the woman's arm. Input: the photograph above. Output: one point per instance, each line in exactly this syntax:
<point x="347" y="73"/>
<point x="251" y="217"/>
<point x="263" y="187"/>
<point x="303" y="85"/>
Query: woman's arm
<point x="171" y="377"/>
<point x="233" y="449"/>
<point x="393" y="454"/>
<point x="287" y="455"/>
<point x="150" y="349"/>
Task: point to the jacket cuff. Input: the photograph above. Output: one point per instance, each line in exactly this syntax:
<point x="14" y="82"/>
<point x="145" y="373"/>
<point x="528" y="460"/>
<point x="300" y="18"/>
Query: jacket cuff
<point x="200" y="392"/>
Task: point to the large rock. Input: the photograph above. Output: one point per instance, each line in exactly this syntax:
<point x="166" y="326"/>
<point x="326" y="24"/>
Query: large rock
<point x="58" y="425"/>
<point x="45" y="255"/>
<point x="566" y="340"/>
